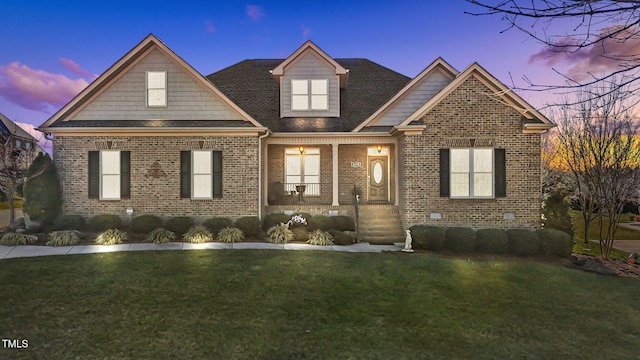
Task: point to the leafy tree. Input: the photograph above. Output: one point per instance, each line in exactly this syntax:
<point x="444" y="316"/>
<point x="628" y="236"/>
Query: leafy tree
<point x="42" y="190"/>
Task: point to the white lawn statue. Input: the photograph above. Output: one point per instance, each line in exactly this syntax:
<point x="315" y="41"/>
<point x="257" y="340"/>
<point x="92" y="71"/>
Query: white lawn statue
<point x="407" y="242"/>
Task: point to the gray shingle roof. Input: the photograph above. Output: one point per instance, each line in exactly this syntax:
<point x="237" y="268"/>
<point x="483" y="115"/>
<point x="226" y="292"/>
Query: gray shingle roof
<point x="153" y="123"/>
<point x="250" y="85"/>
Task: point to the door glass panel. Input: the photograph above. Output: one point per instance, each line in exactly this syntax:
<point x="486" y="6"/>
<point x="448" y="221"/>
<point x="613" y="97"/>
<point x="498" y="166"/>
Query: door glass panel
<point x="377" y="173"/>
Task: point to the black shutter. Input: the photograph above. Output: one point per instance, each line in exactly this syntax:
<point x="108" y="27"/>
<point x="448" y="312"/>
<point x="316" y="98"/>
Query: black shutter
<point x="94" y="175"/>
<point x="444" y="172"/>
<point x="185" y="174"/>
<point x="501" y="172"/>
<point x="217" y="174"/>
<point x="125" y="174"/>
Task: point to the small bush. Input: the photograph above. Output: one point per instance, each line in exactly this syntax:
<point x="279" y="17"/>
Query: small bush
<point x="300" y="234"/>
<point x="230" y="235"/>
<point x="279" y="234"/>
<point x="250" y="225"/>
<point x="319" y="237"/>
<point x="179" y="224"/>
<point x="427" y="237"/>
<point x="111" y="237"/>
<point x="104" y="221"/>
<point x="144" y="224"/>
<point x="71" y="222"/>
<point x="198" y="235"/>
<point x="492" y="241"/>
<point x="343" y="223"/>
<point x="324" y="223"/>
<point x="216" y="224"/>
<point x="343" y="237"/>
<point x="460" y="239"/>
<point x="523" y="242"/>
<point x="271" y="220"/>
<point x="555" y="242"/>
<point x="160" y="236"/>
<point x="63" y="238"/>
<point x="13" y="239"/>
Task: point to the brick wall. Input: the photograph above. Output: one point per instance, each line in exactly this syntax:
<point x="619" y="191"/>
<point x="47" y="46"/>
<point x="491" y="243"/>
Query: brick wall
<point x="161" y="195"/>
<point x="469" y="113"/>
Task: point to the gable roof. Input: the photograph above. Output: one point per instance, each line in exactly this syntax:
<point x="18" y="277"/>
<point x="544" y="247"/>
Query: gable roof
<point x="535" y="120"/>
<point x="6" y="125"/>
<point x="118" y="69"/>
<point x="310" y="47"/>
<point x="250" y="85"/>
<point x="438" y="64"/>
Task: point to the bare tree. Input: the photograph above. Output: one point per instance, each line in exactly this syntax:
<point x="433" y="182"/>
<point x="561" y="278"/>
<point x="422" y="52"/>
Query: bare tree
<point x="598" y="144"/>
<point x="16" y="154"/>
<point x="607" y="32"/>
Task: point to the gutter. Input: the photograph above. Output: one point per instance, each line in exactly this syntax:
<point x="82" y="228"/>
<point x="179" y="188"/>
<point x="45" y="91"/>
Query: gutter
<point x="260" y="173"/>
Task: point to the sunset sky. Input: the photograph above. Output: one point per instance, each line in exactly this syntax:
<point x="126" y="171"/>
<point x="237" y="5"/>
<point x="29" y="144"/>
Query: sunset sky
<point x="50" y="50"/>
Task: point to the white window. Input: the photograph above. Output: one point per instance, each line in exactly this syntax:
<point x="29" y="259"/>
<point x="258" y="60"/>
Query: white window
<point x="27" y="146"/>
<point x="303" y="169"/>
<point x="18" y="144"/>
<point x="309" y="95"/>
<point x="156" y="88"/>
<point x="202" y="166"/>
<point x="471" y="173"/>
<point x="110" y="175"/>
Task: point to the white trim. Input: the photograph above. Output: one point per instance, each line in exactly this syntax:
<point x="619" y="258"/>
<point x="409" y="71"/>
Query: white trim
<point x="102" y="174"/>
<point x="165" y="88"/>
<point x="193" y="174"/>
<point x="388" y="156"/>
<point x="309" y="46"/>
<point x="471" y="173"/>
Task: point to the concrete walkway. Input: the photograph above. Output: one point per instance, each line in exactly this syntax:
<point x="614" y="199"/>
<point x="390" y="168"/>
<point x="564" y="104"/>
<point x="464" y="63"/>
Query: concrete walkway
<point x="9" y="252"/>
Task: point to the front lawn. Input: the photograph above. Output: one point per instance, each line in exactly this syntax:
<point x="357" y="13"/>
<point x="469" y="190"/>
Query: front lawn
<point x="594" y="232"/>
<point x="266" y="304"/>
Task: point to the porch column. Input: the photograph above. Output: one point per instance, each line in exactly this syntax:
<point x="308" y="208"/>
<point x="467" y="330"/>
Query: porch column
<point x="334" y="154"/>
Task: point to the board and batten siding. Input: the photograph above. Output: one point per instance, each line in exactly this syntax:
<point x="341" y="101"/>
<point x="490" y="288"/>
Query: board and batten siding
<point x="186" y="98"/>
<point x="310" y="67"/>
<point x="410" y="102"/>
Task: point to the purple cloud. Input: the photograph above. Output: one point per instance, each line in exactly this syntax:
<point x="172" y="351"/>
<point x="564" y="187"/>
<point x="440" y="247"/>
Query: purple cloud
<point x="305" y="32"/>
<point x="76" y="69"/>
<point x="254" y="12"/>
<point x="210" y="27"/>
<point x="608" y="55"/>
<point x="37" y="89"/>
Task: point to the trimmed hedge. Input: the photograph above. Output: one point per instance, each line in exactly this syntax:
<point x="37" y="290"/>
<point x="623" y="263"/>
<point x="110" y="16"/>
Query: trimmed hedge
<point x="71" y="222"/>
<point x="251" y="226"/>
<point x="342" y="238"/>
<point x="179" y="225"/>
<point x="144" y="224"/>
<point x="523" y="242"/>
<point x="271" y="220"/>
<point x="555" y="242"/>
<point x="104" y="222"/>
<point x="492" y="241"/>
<point x="343" y="223"/>
<point x="427" y="237"/>
<point x="459" y="239"/>
<point x="300" y="234"/>
<point x="321" y="222"/>
<point x="215" y="224"/>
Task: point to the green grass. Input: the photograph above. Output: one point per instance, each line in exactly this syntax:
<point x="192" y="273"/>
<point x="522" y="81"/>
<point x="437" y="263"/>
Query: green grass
<point x="266" y="304"/>
<point x="594" y="232"/>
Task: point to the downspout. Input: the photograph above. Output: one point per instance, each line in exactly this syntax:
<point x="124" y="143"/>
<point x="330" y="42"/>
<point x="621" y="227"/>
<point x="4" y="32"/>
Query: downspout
<point x="260" y="173"/>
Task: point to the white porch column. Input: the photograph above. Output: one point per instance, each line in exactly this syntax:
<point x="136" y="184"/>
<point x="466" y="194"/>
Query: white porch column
<point x="334" y="154"/>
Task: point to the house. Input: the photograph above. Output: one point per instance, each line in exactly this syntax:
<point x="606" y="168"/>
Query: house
<point x="21" y="138"/>
<point x="448" y="147"/>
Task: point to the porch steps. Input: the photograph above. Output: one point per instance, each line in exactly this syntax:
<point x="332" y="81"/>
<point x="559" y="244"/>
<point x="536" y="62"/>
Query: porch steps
<point x="380" y="224"/>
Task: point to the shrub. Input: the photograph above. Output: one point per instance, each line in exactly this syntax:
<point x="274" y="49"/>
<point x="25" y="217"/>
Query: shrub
<point x="198" y="234"/>
<point x="144" y="224"/>
<point x="427" y="237"/>
<point x="13" y="239"/>
<point x="160" y="236"/>
<point x="179" y="224"/>
<point x="63" y="238"/>
<point x="324" y="223"/>
<point x="71" y="222"/>
<point x="216" y="224"/>
<point x="492" y="241"/>
<point x="104" y="221"/>
<point x="279" y="234"/>
<point x="230" y="235"/>
<point x="523" y="242"/>
<point x="271" y="220"/>
<point x="319" y="237"/>
<point x="42" y="190"/>
<point x="343" y="237"/>
<point x="555" y="242"/>
<point x="460" y="239"/>
<point x="300" y="234"/>
<point x="111" y="237"/>
<point x="250" y="225"/>
<point x="556" y="213"/>
<point x="343" y="223"/>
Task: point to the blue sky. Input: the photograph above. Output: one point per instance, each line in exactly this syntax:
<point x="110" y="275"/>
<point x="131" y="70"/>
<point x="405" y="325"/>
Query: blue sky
<point x="55" y="48"/>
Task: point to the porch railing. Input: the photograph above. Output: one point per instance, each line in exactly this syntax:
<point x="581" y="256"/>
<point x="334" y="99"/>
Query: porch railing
<point x="281" y="193"/>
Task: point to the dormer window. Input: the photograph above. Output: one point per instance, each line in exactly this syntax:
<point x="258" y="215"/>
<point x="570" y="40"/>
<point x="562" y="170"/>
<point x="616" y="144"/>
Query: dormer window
<point x="156" y="88"/>
<point x="309" y="95"/>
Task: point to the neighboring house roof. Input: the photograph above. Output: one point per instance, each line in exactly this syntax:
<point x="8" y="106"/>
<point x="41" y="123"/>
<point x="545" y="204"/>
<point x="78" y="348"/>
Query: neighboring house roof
<point x="250" y="85"/>
<point x="9" y="127"/>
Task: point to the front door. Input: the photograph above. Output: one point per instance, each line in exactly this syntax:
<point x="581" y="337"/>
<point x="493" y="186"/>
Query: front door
<point x="378" y="179"/>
